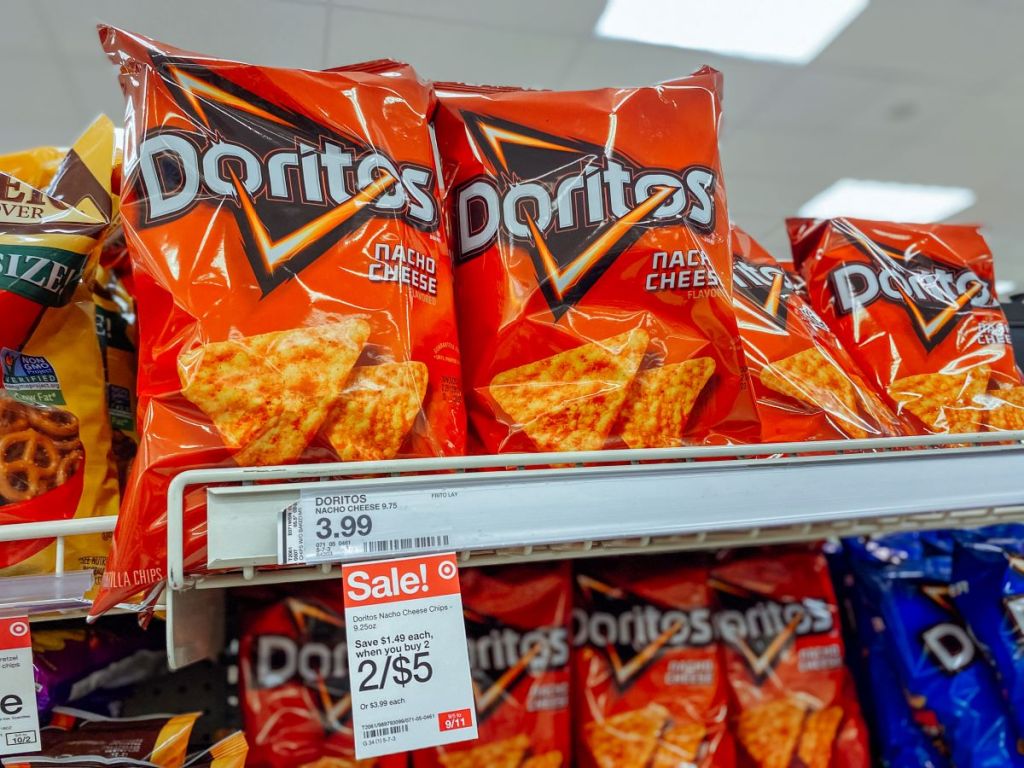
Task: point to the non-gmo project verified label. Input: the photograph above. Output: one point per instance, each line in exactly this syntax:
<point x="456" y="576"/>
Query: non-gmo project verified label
<point x="29" y="378"/>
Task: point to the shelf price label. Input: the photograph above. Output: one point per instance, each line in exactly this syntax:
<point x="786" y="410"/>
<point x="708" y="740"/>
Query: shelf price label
<point x="19" y="717"/>
<point x="324" y="527"/>
<point x="407" y="656"/>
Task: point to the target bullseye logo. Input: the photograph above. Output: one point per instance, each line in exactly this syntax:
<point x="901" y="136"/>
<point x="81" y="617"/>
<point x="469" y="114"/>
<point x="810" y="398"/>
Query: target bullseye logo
<point x="18" y="628"/>
<point x="447" y="570"/>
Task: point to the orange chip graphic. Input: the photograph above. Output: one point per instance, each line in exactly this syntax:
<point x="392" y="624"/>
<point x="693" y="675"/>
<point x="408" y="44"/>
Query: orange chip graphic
<point x="269" y="394"/>
<point x="679" y="745"/>
<point x="507" y="753"/>
<point x="812" y="378"/>
<point x="815" y="750"/>
<point x="945" y="402"/>
<point x="569" y="401"/>
<point x="552" y="759"/>
<point x="376" y="410"/>
<point x="1008" y="416"/>
<point x="627" y="740"/>
<point x="770" y="732"/>
<point x="660" y="400"/>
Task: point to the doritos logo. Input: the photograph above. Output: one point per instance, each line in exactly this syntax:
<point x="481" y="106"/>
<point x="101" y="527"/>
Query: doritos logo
<point x="294" y="186"/>
<point x="498" y="648"/>
<point x="947" y="642"/>
<point x="573" y="205"/>
<point x="933" y="294"/>
<point x="765" y="287"/>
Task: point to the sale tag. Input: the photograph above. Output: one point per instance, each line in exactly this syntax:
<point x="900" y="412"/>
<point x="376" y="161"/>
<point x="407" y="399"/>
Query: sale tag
<point x="326" y="527"/>
<point x="407" y="655"/>
<point x="19" y="718"/>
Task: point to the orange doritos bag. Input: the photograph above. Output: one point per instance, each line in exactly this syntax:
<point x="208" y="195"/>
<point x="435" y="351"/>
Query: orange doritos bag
<point x="649" y="688"/>
<point x="54" y="433"/>
<point x="593" y="276"/>
<point x="916" y="307"/>
<point x="806" y="386"/>
<point x="518" y="621"/>
<point x="292" y="281"/>
<point x="792" y="694"/>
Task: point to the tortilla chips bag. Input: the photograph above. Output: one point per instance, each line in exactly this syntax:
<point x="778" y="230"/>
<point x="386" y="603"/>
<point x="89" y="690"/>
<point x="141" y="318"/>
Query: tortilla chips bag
<point x="518" y="621"/>
<point x="649" y="684"/>
<point x="54" y="433"/>
<point x="916" y="307"/>
<point x="591" y="243"/>
<point x="779" y="622"/>
<point x="292" y="278"/>
<point x="805" y="384"/>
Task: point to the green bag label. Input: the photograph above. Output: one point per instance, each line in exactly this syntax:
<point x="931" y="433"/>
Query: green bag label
<point x="47" y="276"/>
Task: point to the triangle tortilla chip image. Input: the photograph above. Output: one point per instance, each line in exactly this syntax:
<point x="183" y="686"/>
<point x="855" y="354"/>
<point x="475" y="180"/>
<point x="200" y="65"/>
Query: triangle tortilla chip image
<point x="659" y="402"/>
<point x="1008" y="415"/>
<point x="376" y="410"/>
<point x="268" y="395"/>
<point x="627" y="740"/>
<point x="680" y="745"/>
<point x="815" y="750"/>
<point x="507" y="753"/>
<point x="944" y="402"/>
<point x="569" y="401"/>
<point x="769" y="732"/>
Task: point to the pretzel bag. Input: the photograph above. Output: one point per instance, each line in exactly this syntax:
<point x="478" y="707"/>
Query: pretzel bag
<point x="54" y="433"/>
<point x="594" y="284"/>
<point x="916" y="307"/>
<point x="784" y="658"/>
<point x="292" y="279"/>
<point x="648" y="679"/>
<point x="294" y="682"/>
<point x="518" y="621"/>
<point x="805" y="384"/>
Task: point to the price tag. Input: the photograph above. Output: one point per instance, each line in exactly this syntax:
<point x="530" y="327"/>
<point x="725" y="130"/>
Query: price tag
<point x="407" y="656"/>
<point x="327" y="527"/>
<point x="19" y="718"/>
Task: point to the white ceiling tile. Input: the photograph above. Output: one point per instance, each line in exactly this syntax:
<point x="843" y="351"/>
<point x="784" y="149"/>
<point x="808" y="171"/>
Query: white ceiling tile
<point x="809" y="99"/>
<point x="446" y="50"/>
<point x="38" y="110"/>
<point x="21" y="31"/>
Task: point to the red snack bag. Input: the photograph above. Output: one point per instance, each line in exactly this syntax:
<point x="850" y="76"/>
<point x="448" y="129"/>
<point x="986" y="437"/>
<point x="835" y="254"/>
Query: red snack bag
<point x="806" y="385"/>
<point x="794" y="698"/>
<point x="518" y="623"/>
<point x="648" y="681"/>
<point x="916" y="306"/>
<point x="591" y="243"/>
<point x="292" y="279"/>
<point x="294" y="682"/>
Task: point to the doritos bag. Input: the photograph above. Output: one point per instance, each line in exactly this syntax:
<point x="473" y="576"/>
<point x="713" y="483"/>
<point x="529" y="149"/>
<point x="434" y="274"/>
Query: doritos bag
<point x="294" y="682"/>
<point x="805" y="384"/>
<point x="784" y="658"/>
<point x="988" y="591"/>
<point x="54" y="433"/>
<point x="949" y="686"/>
<point x="591" y="244"/>
<point x="916" y="307"/>
<point x="292" y="281"/>
<point x="649" y="685"/>
<point x="518" y="622"/>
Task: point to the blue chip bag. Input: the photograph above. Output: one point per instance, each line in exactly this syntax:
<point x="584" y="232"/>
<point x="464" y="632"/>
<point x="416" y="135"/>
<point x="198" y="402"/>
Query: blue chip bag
<point x="988" y="590"/>
<point x="949" y="686"/>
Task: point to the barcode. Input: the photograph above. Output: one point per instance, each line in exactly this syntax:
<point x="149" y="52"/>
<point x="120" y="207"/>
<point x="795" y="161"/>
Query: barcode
<point x="415" y="542"/>
<point x="372" y="733"/>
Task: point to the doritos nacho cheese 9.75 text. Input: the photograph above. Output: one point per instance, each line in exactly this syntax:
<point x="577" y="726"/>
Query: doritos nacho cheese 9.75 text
<point x="593" y="277"/>
<point x="293" y="281"/>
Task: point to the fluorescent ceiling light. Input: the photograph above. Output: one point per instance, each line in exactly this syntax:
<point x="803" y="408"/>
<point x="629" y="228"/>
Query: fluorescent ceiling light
<point x="888" y="201"/>
<point x="790" y="31"/>
<point x="1005" y="287"/>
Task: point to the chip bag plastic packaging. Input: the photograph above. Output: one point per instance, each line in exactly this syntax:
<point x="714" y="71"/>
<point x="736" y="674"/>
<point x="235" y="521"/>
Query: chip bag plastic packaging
<point x="294" y="682"/>
<point x="952" y="691"/>
<point x="988" y="591"/>
<point x="518" y="623"/>
<point x="915" y="305"/>
<point x="649" y="683"/>
<point x="805" y="384"/>
<point x="593" y="278"/>
<point x="54" y="431"/>
<point x="293" y="282"/>
<point x="898" y="740"/>
<point x="778" y="618"/>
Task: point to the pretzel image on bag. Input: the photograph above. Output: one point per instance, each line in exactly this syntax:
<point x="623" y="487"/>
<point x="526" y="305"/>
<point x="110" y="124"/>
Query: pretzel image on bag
<point x="54" y="431"/>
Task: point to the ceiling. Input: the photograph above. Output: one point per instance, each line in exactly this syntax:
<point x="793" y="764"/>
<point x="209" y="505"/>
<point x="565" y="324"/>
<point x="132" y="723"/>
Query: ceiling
<point x="917" y="91"/>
